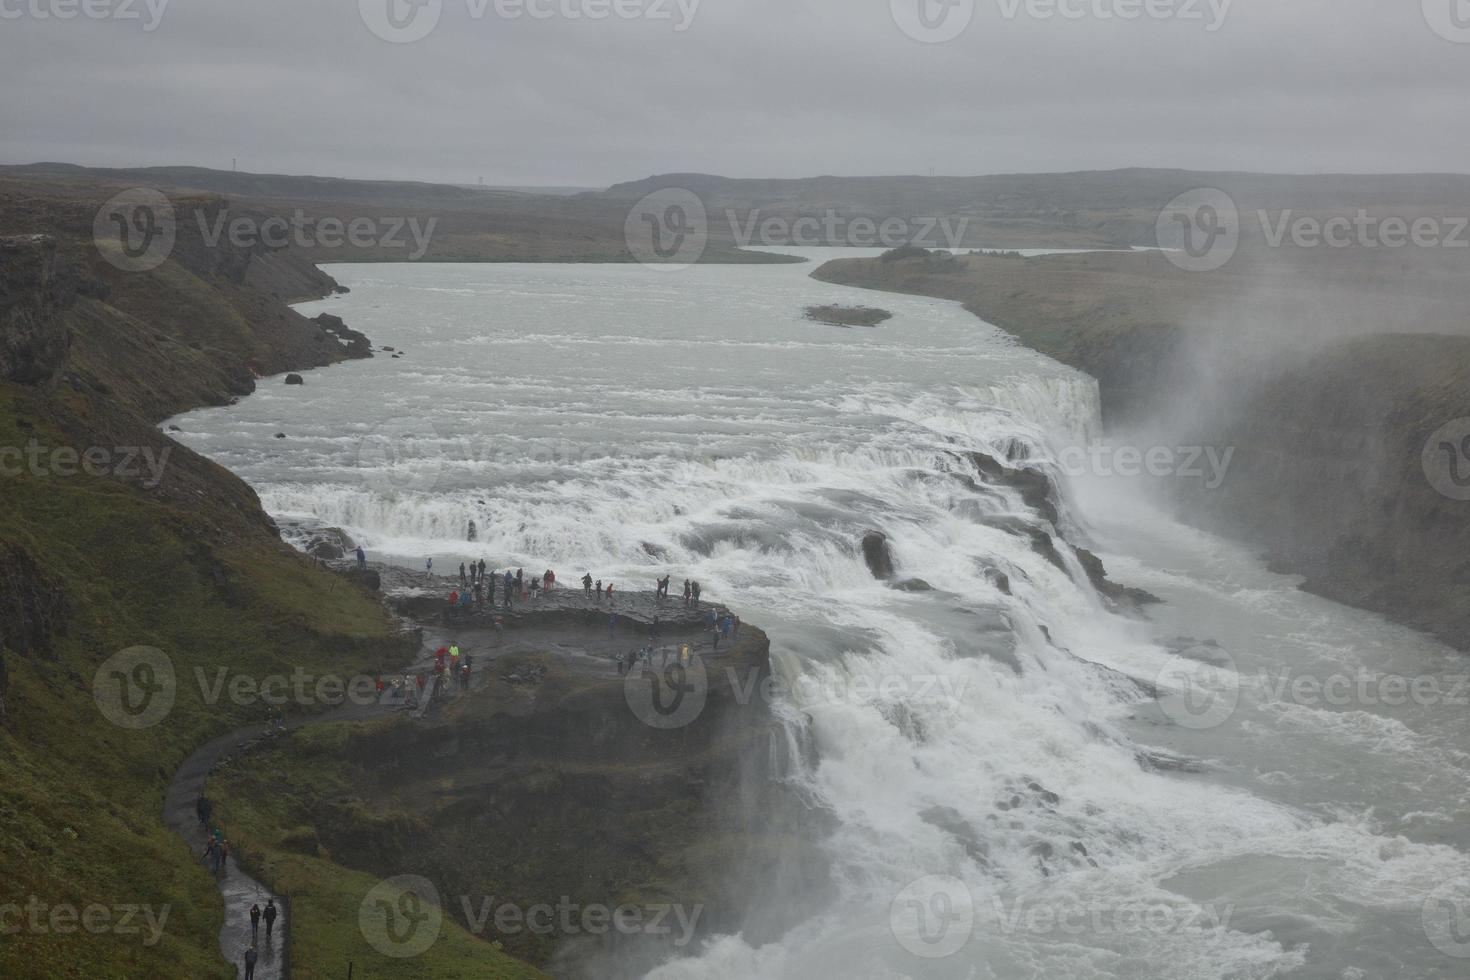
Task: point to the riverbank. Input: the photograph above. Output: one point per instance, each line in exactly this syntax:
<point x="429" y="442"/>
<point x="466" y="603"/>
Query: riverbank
<point x="115" y="541"/>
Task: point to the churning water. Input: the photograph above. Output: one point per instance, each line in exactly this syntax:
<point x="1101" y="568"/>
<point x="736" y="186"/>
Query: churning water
<point x="1009" y="800"/>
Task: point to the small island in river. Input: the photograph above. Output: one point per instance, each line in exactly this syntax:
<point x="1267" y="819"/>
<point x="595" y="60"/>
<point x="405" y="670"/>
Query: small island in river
<point x="848" y="316"/>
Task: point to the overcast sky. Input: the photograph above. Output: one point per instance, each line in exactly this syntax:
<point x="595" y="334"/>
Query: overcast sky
<point x="739" y="87"/>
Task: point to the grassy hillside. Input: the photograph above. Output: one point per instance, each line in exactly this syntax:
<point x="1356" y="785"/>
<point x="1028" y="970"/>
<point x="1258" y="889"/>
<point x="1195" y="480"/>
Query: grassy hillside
<point x="149" y="545"/>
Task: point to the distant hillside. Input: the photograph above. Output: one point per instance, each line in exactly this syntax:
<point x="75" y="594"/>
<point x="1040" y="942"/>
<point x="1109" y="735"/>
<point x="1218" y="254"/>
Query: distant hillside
<point x="269" y="186"/>
<point x="1083" y="190"/>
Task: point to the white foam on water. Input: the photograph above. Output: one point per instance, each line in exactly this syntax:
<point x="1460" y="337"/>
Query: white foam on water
<point x="611" y="420"/>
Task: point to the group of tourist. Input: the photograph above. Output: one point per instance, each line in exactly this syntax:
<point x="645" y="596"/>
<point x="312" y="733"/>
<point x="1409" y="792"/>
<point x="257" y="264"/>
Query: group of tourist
<point x="217" y="855"/>
<point x="477" y="587"/>
<point x="256" y="914"/>
<point x="450" y="663"/>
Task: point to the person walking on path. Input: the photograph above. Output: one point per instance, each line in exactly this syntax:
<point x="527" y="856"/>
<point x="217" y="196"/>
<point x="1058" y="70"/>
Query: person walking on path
<point x="204" y="807"/>
<point x="254" y="921"/>
<point x="270" y="917"/>
<point x="250" y="958"/>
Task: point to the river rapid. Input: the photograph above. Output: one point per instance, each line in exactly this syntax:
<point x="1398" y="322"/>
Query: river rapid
<point x="1023" y="780"/>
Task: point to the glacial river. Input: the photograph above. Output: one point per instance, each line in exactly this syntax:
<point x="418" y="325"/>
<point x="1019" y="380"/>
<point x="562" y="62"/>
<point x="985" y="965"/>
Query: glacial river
<point x="1011" y="799"/>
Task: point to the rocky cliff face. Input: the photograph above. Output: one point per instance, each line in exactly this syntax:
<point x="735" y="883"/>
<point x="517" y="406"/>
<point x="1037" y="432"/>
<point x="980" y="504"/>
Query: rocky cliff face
<point x="547" y="787"/>
<point x="1330" y="480"/>
<point x="1328" y="476"/>
<point x="34" y="289"/>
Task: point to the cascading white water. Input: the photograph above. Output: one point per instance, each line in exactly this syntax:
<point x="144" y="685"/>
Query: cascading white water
<point x="978" y="738"/>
